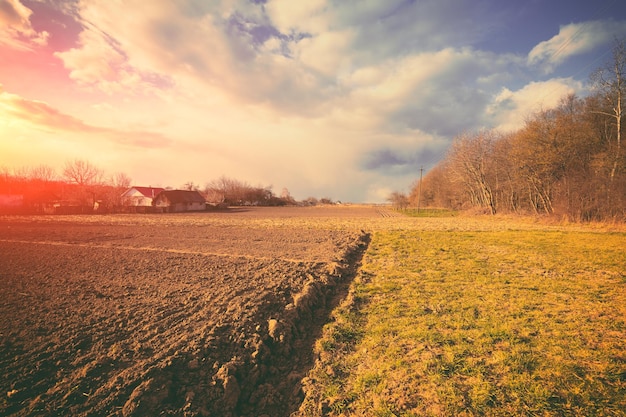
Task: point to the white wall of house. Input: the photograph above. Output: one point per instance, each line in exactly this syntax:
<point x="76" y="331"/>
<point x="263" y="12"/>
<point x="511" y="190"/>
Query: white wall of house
<point x="135" y="198"/>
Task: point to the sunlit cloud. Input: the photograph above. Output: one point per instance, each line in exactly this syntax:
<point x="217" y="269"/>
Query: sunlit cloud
<point x="510" y="109"/>
<point x="574" y="39"/>
<point x="99" y="62"/>
<point x="15" y="26"/>
<point x="39" y="114"/>
<point x="15" y="109"/>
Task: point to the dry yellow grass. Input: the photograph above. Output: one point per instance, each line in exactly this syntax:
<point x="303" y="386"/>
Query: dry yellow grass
<point x="479" y="316"/>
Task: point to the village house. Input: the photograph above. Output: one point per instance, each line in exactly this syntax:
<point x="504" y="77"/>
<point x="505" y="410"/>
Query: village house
<point x="140" y="196"/>
<point x="174" y="201"/>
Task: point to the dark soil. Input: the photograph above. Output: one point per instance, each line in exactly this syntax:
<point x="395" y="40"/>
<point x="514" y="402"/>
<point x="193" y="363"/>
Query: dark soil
<point x="161" y="317"/>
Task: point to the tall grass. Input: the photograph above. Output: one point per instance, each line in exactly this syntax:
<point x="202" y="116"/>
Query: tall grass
<point x="494" y="323"/>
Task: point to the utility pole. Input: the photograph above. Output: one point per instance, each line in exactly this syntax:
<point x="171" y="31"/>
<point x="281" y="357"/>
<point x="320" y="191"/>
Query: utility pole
<point x="419" y="191"/>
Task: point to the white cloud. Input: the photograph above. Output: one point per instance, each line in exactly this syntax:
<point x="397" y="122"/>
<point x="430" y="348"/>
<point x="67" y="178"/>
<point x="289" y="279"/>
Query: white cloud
<point x="290" y="16"/>
<point x="574" y="39"/>
<point x="509" y="109"/>
<point x="326" y="53"/>
<point x="97" y="62"/>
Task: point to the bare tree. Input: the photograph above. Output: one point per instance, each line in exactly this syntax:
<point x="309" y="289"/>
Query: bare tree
<point x="236" y="193"/>
<point x="568" y="160"/>
<point x="43" y="173"/>
<point x="191" y="186"/>
<point x="469" y="159"/>
<point x="224" y="190"/>
<point x="398" y="200"/>
<point x="286" y="196"/>
<point x="436" y="190"/>
<point x="610" y="82"/>
<point x="82" y="172"/>
<point x="120" y="180"/>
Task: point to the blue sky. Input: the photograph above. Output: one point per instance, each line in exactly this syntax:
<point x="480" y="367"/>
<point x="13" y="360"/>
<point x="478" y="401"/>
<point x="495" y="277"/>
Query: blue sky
<point x="339" y="99"/>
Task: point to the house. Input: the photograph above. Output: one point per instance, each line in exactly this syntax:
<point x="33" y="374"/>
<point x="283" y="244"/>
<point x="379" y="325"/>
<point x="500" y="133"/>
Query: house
<point x="140" y="196"/>
<point x="174" y="201"/>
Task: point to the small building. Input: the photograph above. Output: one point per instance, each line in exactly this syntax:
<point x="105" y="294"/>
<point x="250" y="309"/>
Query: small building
<point x="175" y="201"/>
<point x="140" y="196"/>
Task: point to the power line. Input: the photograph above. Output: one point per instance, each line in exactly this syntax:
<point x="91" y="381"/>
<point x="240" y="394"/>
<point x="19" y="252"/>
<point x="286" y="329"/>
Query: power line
<point x="582" y="27"/>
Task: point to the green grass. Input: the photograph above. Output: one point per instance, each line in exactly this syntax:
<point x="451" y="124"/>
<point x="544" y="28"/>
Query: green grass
<point x="499" y="323"/>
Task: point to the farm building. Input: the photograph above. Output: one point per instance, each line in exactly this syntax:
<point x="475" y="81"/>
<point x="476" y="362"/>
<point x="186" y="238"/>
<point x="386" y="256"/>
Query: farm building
<point x="140" y="196"/>
<point x="174" y="201"/>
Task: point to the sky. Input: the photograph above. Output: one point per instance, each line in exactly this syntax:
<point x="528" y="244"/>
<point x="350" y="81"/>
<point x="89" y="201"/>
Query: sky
<point x="340" y="99"/>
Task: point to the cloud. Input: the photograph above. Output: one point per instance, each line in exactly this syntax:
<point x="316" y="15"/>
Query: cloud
<point x="509" y="109"/>
<point x="15" y="110"/>
<point x="39" y="114"/>
<point x="398" y="162"/>
<point x="325" y="53"/>
<point x="303" y="94"/>
<point x="441" y="92"/>
<point x="312" y="17"/>
<point x="349" y="97"/>
<point x="16" y="29"/>
<point x="100" y="62"/>
<point x="293" y="56"/>
<point x="574" y="39"/>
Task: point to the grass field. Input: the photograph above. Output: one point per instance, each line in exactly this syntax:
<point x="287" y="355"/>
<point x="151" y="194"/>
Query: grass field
<point x="489" y="322"/>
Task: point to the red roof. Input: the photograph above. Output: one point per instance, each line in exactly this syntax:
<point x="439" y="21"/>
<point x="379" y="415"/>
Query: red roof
<point x="149" y="192"/>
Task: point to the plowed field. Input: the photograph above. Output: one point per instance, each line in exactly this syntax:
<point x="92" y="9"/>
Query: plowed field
<point x="192" y="314"/>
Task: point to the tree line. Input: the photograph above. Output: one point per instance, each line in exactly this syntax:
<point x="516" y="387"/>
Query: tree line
<point x="567" y="161"/>
<point x="84" y="188"/>
<point x="81" y="188"/>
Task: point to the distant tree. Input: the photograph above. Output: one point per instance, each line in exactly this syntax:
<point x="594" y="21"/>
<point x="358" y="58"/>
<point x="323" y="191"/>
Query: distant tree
<point x="109" y="194"/>
<point x="120" y="180"/>
<point x="437" y="189"/>
<point x="398" y="200"/>
<point x="190" y="186"/>
<point x="87" y="180"/>
<point x="21" y="173"/>
<point x="213" y="194"/>
<point x="237" y="193"/>
<point x="82" y="172"/>
<point x="226" y="190"/>
<point x="285" y="195"/>
<point x="43" y="173"/>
